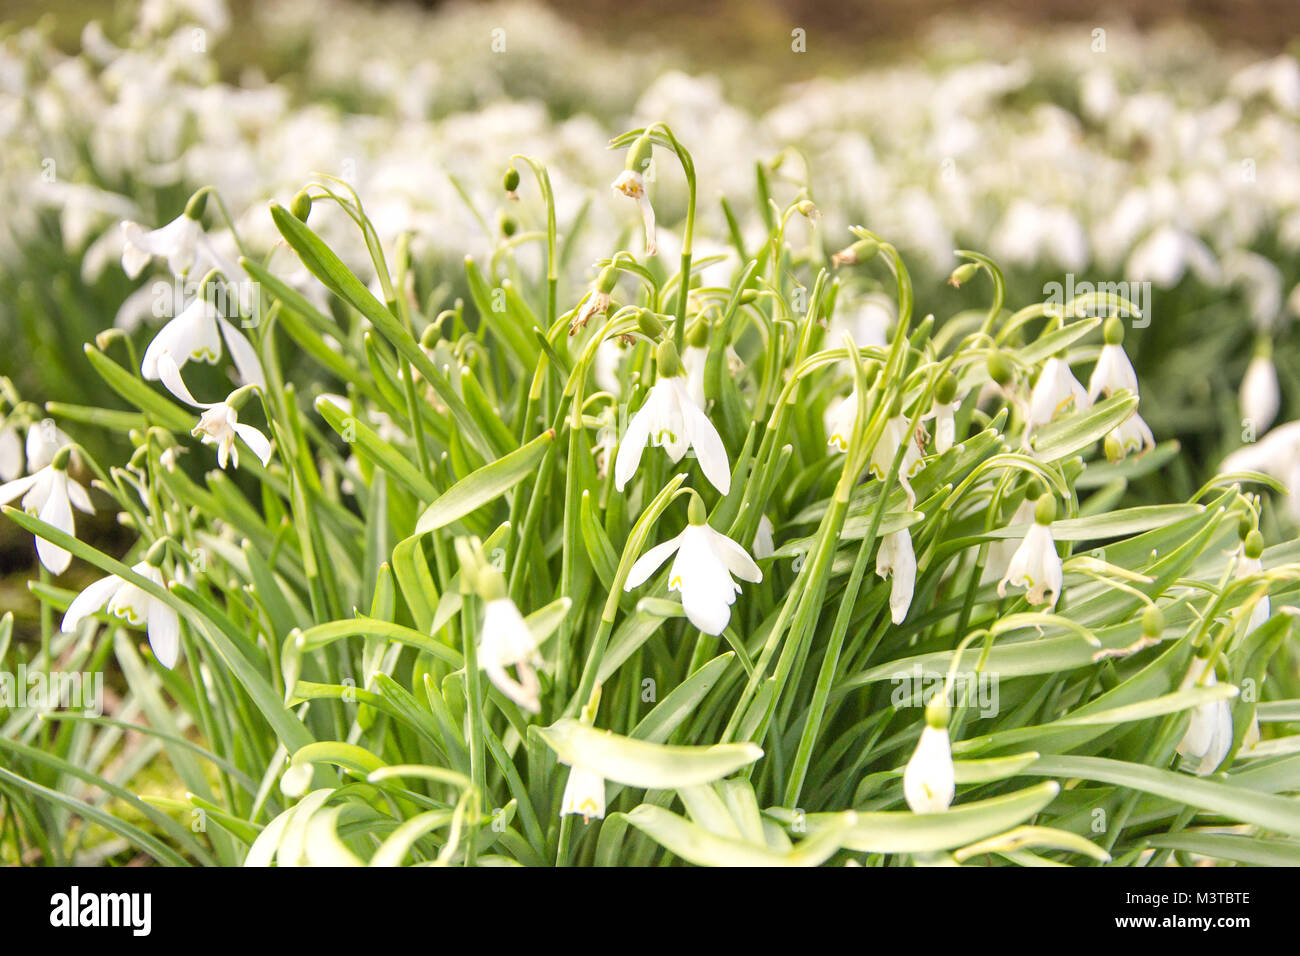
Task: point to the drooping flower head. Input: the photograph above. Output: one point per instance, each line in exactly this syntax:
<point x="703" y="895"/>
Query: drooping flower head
<point x="701" y="572"/>
<point x="1036" y="566"/>
<point x="50" y="495"/>
<point x="133" y="606"/>
<point x="929" y="782"/>
<point x="631" y="183"/>
<point x="219" y="422"/>
<point x="672" y="420"/>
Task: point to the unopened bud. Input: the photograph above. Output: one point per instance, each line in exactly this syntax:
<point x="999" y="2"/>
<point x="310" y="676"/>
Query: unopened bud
<point x="963" y="274"/>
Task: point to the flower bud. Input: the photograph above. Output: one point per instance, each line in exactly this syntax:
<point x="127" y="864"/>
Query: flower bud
<point x="300" y="207"/>
<point x="156" y="553"/>
<point x="963" y="274"/>
<point x="1153" y="621"/>
<point x="197" y="203"/>
<point x="668" y="361"/>
<point x="946" y="390"/>
<point x="1254" y="546"/>
<point x="864" y="250"/>
<point x="649" y="325"/>
<point x="1113" y="331"/>
<point x="1000" y="369"/>
<point x="511" y="182"/>
<point x="507" y="224"/>
<point x="639" y="153"/>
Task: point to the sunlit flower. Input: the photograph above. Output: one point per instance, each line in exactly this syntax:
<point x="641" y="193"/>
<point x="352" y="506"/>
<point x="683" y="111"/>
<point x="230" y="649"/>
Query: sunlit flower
<point x="701" y="572"/>
<point x="50" y="495"/>
<point x="896" y="560"/>
<point x="133" y="605"/>
<point x="1036" y="566"/>
<point x="219" y="422"/>
<point x="1209" y="731"/>
<point x="671" y="419"/>
<point x="929" y="783"/>
<point x="507" y="641"/>
<point x="632" y="184"/>
<point x="1056" y="392"/>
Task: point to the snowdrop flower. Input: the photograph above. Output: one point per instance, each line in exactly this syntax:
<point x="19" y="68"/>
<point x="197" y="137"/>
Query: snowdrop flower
<point x="50" y="495"/>
<point x="1209" y="732"/>
<point x="11" y="452"/>
<point x="507" y="641"/>
<point x="177" y="242"/>
<point x="584" y="793"/>
<point x="1113" y="371"/>
<point x="1036" y="566"/>
<point x="597" y="301"/>
<point x="1055" y="392"/>
<point x="1132" y="436"/>
<point x="219" y="423"/>
<point x="196" y="334"/>
<point x="1277" y="455"/>
<point x="897" y="432"/>
<point x="670" y="418"/>
<point x="1248" y="563"/>
<point x="44" y="439"/>
<point x="764" y="546"/>
<point x="694" y="362"/>
<point x="840" y="422"/>
<point x="895" y="559"/>
<point x="701" y="572"/>
<point x="929" y="783"/>
<point x="632" y="184"/>
<point x="943" y="411"/>
<point x="134" y="606"/>
<point x="1260" y="397"/>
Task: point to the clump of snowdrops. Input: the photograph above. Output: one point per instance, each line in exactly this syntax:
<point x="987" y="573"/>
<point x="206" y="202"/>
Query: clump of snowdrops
<point x="648" y="571"/>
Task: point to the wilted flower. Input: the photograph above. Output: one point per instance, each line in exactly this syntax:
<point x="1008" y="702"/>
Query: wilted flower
<point x="219" y="423"/>
<point x="632" y="184"/>
<point x="896" y="433"/>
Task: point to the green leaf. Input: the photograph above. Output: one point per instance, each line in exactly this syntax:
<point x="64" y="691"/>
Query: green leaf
<point x="487" y="483"/>
<point x="640" y="763"/>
